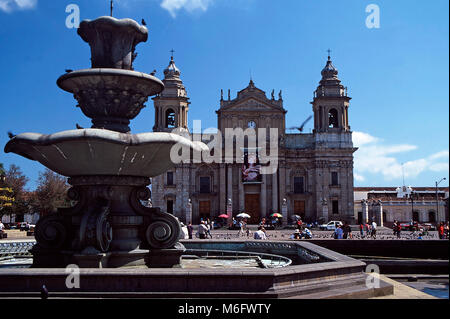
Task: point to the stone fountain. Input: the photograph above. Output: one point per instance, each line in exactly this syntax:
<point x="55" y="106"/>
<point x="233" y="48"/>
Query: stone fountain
<point x="108" y="227"/>
<point x="108" y="167"/>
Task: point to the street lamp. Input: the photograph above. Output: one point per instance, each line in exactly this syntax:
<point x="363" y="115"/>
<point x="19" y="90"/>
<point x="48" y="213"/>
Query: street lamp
<point x="437" y="198"/>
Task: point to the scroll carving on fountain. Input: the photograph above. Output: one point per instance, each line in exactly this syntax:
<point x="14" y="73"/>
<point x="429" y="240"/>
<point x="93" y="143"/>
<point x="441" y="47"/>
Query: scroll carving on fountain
<point x="108" y="167"/>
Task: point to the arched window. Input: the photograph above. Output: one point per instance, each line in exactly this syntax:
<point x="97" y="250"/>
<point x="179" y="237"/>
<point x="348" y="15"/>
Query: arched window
<point x="333" y="118"/>
<point x="170" y="118"/>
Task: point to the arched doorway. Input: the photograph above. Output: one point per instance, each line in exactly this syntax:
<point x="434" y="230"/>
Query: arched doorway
<point x="431" y="217"/>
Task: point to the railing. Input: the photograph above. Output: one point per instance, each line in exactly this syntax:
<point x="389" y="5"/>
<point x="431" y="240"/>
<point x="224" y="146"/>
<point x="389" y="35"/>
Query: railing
<point x="16" y="249"/>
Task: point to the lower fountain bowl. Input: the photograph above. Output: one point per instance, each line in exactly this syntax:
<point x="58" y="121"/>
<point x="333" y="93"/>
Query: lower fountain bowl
<point x="101" y="152"/>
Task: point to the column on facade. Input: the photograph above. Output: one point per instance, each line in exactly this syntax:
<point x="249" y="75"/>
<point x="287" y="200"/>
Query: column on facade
<point x="241" y="195"/>
<point x="178" y="193"/>
<point x="365" y="209"/>
<point x="229" y="192"/>
<point x="264" y="196"/>
<point x="186" y="200"/>
<point x="325" y="212"/>
<point x="282" y="188"/>
<point x="275" y="192"/>
<point x="380" y="213"/>
<point x="192" y="190"/>
<point x="223" y="197"/>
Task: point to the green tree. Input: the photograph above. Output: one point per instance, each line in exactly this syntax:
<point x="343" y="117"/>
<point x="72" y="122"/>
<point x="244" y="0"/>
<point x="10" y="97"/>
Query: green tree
<point x="16" y="180"/>
<point x="50" y="192"/>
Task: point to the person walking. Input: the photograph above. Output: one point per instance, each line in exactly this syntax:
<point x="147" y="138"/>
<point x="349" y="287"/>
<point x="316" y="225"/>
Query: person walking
<point x="361" y="230"/>
<point x="345" y="231"/>
<point x="441" y="230"/>
<point x="397" y="229"/>
<point x="190" y="230"/>
<point x="209" y="227"/>
<point x="374" y="230"/>
<point x="338" y="233"/>
<point x="241" y="228"/>
<point x="368" y="233"/>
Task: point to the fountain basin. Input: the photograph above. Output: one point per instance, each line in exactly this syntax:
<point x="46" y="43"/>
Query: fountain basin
<point x="101" y="152"/>
<point x="335" y="276"/>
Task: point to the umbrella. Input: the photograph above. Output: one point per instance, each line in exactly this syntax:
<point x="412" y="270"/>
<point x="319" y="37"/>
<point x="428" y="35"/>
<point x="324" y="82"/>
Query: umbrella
<point x="276" y="215"/>
<point x="243" y="215"/>
<point x="223" y="216"/>
<point x="297" y="217"/>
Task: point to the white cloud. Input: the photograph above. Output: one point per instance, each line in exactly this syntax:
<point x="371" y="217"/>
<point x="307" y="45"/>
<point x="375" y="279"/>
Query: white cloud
<point x="173" y="6"/>
<point x="375" y="157"/>
<point x="12" y="5"/>
<point x="360" y="138"/>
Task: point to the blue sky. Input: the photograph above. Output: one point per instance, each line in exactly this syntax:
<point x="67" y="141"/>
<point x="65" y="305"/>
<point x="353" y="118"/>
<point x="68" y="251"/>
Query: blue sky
<point x="397" y="74"/>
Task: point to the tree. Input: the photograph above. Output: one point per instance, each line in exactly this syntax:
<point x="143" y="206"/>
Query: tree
<point x="17" y="181"/>
<point x="50" y="193"/>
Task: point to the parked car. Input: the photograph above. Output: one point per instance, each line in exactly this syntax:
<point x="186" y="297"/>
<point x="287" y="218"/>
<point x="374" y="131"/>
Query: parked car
<point x="407" y="226"/>
<point x="427" y="226"/>
<point x="24" y="226"/>
<point x="331" y="225"/>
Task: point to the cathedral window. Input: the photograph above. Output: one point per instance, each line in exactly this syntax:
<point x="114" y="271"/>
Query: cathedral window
<point x="170" y="119"/>
<point x="333" y="119"/>
<point x="205" y="185"/>
<point x="169" y="178"/>
<point x="299" y="187"/>
<point x="334" y="179"/>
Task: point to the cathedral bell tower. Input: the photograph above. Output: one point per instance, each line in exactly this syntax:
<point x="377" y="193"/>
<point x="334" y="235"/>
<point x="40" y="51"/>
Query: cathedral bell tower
<point x="172" y="105"/>
<point x="330" y="104"/>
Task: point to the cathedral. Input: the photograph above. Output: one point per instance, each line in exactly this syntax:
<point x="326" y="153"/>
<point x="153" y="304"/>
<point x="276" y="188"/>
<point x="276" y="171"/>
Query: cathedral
<point x="313" y="177"/>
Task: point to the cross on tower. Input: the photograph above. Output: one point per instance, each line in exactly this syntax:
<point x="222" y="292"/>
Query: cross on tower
<point x="172" y="51"/>
<point x="329" y="53"/>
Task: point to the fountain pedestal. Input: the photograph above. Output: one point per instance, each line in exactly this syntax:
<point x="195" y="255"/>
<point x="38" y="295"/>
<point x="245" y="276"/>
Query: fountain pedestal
<point x="108" y="227"/>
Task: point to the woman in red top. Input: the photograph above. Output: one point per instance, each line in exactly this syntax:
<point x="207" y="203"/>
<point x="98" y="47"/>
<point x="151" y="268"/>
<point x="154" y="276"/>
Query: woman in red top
<point x="441" y="230"/>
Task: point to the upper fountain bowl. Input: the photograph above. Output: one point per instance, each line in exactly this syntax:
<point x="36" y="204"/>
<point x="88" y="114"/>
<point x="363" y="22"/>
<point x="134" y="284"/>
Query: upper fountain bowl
<point x="110" y="97"/>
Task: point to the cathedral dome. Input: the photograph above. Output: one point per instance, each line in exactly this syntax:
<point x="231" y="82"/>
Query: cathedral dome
<point x="329" y="71"/>
<point x="172" y="70"/>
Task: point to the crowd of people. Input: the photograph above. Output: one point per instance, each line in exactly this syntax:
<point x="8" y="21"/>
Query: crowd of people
<point x="302" y="231"/>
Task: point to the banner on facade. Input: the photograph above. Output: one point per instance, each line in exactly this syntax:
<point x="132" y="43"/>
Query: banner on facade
<point x="251" y="170"/>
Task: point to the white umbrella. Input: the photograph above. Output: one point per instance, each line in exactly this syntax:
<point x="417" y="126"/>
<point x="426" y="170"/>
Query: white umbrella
<point x="243" y="215"/>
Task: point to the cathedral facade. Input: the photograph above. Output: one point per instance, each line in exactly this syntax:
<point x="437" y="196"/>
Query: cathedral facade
<point x="313" y="177"/>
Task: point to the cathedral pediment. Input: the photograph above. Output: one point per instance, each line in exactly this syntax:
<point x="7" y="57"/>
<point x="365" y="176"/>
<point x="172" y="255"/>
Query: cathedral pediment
<point x="252" y="99"/>
<point x="252" y="104"/>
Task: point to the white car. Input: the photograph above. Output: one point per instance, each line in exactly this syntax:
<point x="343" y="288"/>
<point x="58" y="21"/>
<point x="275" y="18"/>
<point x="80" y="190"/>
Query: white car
<point x="331" y="225"/>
